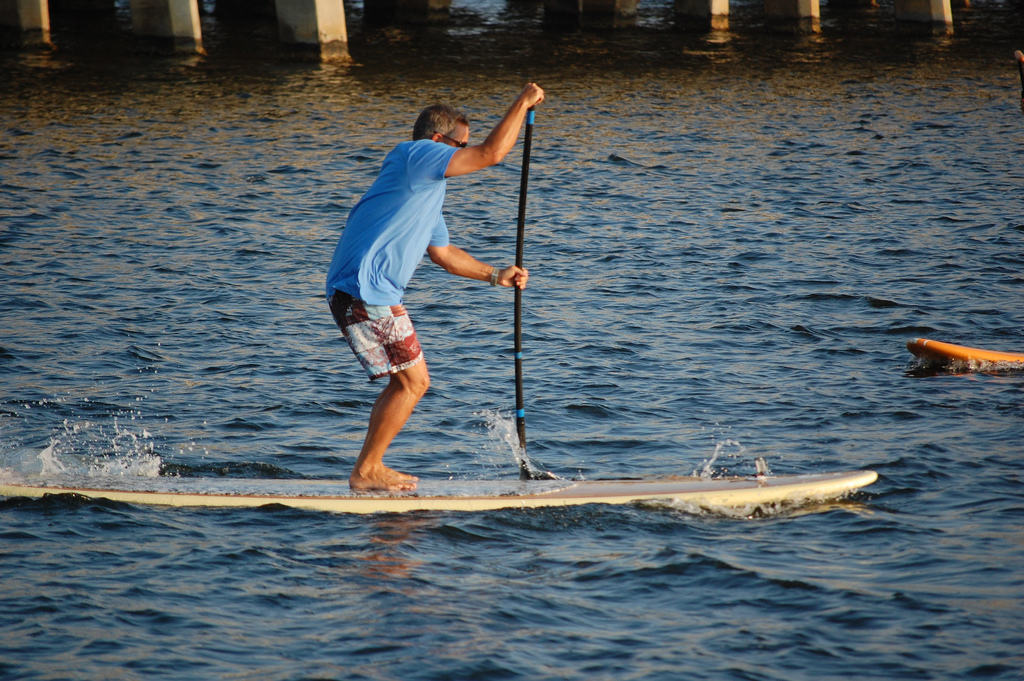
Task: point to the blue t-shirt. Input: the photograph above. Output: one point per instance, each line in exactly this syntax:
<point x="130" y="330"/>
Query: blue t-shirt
<point x="389" y="230"/>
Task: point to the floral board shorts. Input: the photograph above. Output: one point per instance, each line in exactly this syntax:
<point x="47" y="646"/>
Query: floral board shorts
<point x="381" y="336"/>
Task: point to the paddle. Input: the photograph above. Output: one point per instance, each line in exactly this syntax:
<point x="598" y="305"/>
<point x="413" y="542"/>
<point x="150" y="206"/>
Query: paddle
<point x="1019" y="56"/>
<point x="524" y="468"/>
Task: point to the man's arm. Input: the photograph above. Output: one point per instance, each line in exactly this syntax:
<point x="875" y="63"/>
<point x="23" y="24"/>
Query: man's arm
<point x="456" y="261"/>
<point x="502" y="138"/>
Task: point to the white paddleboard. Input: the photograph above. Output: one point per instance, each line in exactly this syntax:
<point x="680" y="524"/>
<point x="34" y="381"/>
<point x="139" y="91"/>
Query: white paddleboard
<point x="461" y="495"/>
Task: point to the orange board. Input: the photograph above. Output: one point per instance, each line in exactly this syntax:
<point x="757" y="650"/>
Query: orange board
<point x="937" y="351"/>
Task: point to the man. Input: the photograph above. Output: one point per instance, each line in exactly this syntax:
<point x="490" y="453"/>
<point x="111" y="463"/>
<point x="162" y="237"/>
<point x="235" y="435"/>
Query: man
<point x="383" y="242"/>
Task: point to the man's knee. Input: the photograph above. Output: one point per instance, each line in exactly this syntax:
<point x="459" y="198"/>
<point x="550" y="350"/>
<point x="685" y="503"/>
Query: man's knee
<point x="415" y="379"/>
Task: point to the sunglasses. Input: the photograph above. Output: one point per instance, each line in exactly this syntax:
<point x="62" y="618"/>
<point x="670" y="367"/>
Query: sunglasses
<point x="455" y="142"/>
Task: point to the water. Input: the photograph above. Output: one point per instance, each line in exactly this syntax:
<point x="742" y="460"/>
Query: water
<point x="731" y="237"/>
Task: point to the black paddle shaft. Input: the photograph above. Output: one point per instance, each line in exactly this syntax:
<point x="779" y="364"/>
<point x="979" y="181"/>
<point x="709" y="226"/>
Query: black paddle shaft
<point x="524" y="471"/>
<point x="1020" y="69"/>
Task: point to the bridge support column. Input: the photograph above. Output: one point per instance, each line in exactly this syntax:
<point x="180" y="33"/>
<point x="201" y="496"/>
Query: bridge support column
<point x="316" y="25"/>
<point x="28" y="19"/>
<point x="936" y="12"/>
<point x="704" y="14"/>
<point x="175" y="20"/>
<point x="804" y="15"/>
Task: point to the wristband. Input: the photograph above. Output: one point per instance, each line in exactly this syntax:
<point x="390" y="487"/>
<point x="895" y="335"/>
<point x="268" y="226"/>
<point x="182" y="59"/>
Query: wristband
<point x="494" y="276"/>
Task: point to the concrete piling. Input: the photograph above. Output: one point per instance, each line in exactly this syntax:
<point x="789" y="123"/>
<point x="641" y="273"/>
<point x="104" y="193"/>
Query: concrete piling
<point x="938" y="13"/>
<point x="703" y="15"/>
<point x="802" y="15"/>
<point x="27" y="22"/>
<point x="317" y="27"/>
<point x="172" y="21"/>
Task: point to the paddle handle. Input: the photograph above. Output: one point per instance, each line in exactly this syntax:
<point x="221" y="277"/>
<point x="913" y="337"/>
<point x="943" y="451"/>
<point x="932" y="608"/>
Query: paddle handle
<point x="518" y="349"/>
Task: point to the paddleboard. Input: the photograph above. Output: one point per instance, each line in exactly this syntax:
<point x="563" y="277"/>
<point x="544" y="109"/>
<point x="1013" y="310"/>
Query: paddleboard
<point x="948" y="353"/>
<point x="466" y="495"/>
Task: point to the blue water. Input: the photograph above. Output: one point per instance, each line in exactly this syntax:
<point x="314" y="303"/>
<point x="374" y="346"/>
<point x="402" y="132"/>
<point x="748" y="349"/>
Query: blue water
<point x="731" y="237"/>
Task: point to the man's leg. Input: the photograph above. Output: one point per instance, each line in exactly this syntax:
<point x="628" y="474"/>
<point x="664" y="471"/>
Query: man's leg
<point x="389" y="414"/>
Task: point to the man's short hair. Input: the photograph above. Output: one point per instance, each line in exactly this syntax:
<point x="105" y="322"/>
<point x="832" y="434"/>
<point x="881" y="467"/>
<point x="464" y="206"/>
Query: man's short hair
<point x="437" y="118"/>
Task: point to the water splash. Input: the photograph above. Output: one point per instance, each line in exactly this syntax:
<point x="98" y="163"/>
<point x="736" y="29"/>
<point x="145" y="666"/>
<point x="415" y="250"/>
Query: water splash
<point x="503" y="444"/>
<point x="722" y="451"/>
<point x="708" y="471"/>
<point x="98" y="450"/>
<point x="51" y="465"/>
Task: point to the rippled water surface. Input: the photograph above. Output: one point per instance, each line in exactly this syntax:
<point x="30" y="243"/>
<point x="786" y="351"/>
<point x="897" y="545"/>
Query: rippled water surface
<point x="731" y="237"/>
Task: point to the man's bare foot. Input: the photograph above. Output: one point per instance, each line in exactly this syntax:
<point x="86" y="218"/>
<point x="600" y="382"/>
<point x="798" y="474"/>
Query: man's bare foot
<point x="382" y="478"/>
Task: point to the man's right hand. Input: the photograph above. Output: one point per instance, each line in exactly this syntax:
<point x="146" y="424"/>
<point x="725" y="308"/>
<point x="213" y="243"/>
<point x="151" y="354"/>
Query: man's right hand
<point x="500" y="141"/>
<point x="532" y="95"/>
